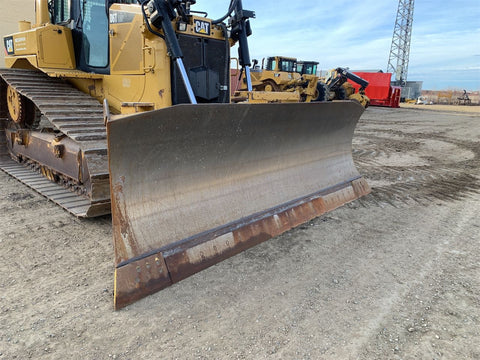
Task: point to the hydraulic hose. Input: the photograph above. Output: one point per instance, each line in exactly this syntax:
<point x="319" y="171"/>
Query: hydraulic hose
<point x="231" y="7"/>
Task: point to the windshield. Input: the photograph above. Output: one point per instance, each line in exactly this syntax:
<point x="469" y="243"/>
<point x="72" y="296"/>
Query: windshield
<point x="288" y="65"/>
<point x="271" y="64"/>
<point x="309" y="69"/>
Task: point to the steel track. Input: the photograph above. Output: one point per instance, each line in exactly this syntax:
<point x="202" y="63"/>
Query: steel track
<point x="78" y="116"/>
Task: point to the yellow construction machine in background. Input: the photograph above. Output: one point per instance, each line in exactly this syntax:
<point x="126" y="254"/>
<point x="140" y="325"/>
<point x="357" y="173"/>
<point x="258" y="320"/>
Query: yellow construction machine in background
<point x="279" y="80"/>
<point x="189" y="177"/>
<point x="336" y="81"/>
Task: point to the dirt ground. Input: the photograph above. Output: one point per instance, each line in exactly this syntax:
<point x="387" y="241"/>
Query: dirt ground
<point x="471" y="109"/>
<point x="394" y="275"/>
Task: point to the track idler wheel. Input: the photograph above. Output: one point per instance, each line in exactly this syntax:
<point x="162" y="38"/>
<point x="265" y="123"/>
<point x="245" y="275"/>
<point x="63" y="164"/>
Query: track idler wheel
<point x="269" y="85"/>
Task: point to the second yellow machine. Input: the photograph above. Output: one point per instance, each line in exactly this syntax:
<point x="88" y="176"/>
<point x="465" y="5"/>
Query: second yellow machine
<point x="190" y="179"/>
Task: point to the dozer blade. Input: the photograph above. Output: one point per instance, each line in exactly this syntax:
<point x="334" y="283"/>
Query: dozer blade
<point x="193" y="185"/>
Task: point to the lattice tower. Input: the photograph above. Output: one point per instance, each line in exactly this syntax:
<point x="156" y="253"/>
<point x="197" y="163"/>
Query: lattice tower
<point x="400" y="49"/>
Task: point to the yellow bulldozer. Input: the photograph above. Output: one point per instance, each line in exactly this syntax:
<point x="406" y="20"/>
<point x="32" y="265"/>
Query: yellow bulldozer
<point x="289" y="79"/>
<point x="124" y="107"/>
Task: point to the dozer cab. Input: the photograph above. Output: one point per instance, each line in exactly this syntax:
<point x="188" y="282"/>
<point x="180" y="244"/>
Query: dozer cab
<point x="307" y="67"/>
<point x="114" y="106"/>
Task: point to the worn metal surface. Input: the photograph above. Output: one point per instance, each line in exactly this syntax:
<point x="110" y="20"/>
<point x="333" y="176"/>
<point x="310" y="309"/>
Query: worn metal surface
<point x="80" y="118"/>
<point x="40" y="146"/>
<point x="197" y="184"/>
<point x="139" y="278"/>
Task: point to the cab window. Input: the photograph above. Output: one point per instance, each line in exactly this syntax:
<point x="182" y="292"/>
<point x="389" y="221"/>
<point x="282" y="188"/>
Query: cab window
<point x="310" y="69"/>
<point x="60" y="11"/>
<point x="95" y="33"/>
<point x="271" y="64"/>
<point x="287" y="66"/>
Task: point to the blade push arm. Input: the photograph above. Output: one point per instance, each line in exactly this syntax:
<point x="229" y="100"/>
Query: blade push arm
<point x="162" y="13"/>
<point x="240" y="31"/>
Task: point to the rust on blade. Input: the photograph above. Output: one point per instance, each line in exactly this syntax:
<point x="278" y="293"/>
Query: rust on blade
<point x="124" y="238"/>
<point x="189" y="258"/>
<point x="185" y="258"/>
<point x="361" y="187"/>
<point x="139" y="279"/>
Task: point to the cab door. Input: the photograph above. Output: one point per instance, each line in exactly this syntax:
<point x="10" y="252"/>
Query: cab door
<point x="95" y="36"/>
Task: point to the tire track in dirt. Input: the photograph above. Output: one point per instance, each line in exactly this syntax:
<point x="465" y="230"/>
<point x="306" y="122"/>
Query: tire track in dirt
<point x="435" y="167"/>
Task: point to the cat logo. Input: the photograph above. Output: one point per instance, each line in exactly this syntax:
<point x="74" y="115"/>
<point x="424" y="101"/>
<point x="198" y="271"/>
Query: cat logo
<point x="202" y="27"/>
<point x="9" y="45"/>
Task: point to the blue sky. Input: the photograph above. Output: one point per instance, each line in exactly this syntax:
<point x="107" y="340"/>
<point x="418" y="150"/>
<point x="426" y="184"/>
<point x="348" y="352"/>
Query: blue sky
<point x="444" y="52"/>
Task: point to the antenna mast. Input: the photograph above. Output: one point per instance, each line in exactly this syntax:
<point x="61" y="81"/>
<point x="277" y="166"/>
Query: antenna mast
<point x="400" y="49"/>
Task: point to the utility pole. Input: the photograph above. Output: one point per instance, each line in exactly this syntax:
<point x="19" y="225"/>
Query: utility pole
<point x="400" y="49"/>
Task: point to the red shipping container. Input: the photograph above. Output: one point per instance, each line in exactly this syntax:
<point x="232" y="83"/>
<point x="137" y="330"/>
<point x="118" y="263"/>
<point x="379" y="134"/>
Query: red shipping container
<point x="379" y="90"/>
